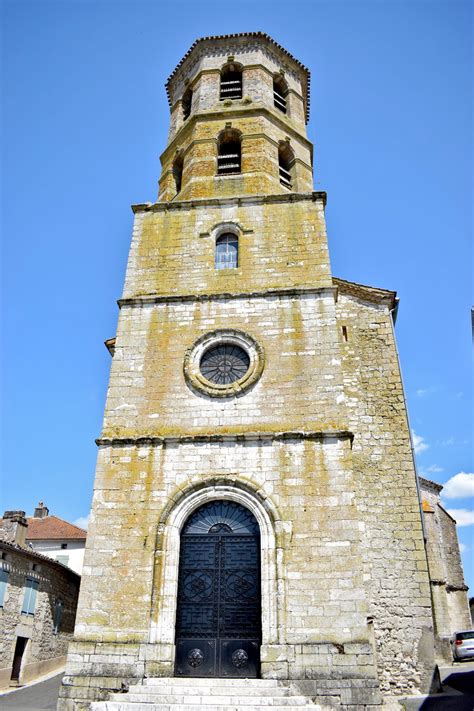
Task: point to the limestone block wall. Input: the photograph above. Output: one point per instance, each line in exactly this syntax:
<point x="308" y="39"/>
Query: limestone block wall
<point x="448" y="588"/>
<point x="302" y="492"/>
<point x="300" y="386"/>
<point x="395" y="564"/>
<point x="261" y="132"/>
<point x="282" y="245"/>
<point x="45" y="651"/>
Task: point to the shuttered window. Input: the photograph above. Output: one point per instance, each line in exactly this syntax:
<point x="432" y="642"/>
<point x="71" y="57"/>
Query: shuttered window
<point x="29" y="598"/>
<point x="3" y="585"/>
<point x="58" y="614"/>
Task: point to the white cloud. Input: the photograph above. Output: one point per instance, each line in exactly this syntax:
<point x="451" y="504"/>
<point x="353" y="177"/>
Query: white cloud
<point x="447" y="442"/>
<point x="463" y="517"/>
<point x="419" y="443"/>
<point x="421" y="392"/>
<point x="460" y="485"/>
<point x="432" y="469"/>
<point x="462" y="548"/>
<point x="82" y="521"/>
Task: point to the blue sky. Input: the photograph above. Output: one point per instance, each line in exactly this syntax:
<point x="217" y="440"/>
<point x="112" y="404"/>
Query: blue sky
<point x="85" y="118"/>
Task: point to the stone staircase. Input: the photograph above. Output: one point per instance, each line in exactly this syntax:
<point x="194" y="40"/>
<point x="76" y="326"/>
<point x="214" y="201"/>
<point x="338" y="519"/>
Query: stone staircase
<point x="178" y="694"/>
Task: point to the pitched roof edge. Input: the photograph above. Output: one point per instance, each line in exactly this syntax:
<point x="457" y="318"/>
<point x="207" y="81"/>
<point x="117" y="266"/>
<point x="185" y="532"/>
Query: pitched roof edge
<point x="236" y="35"/>
<point x="430" y="484"/>
<point x="39" y="556"/>
<point x="57" y="518"/>
<point x="368" y="293"/>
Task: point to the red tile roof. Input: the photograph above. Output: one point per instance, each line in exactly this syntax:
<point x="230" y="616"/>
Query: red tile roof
<point x="52" y="528"/>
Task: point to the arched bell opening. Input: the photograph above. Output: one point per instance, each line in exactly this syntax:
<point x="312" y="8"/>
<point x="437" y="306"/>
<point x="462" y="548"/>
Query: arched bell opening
<point x="218" y="617"/>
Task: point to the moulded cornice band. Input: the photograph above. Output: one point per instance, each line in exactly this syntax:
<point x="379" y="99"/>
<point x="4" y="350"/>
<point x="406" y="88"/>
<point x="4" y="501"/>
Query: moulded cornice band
<point x="228" y="113"/>
<point x="313" y="196"/>
<point x="239" y="437"/>
<point x="167" y="298"/>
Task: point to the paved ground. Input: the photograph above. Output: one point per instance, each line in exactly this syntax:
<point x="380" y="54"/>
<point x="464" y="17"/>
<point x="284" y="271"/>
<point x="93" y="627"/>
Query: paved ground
<point x="39" y="697"/>
<point x="458" y="691"/>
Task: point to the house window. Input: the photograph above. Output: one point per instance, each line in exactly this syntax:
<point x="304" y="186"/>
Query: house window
<point x="286" y="163"/>
<point x="58" y="614"/>
<point x="29" y="598"/>
<point x="229" y="152"/>
<point x="187" y="103"/>
<point x="227" y="252"/>
<point x="3" y="585"/>
<point x="64" y="559"/>
<point x="280" y="91"/>
<point x="178" y="165"/>
<point x="231" y="82"/>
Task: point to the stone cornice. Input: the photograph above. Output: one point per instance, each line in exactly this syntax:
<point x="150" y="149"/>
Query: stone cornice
<point x="238" y="109"/>
<point x="223" y="296"/>
<point x="227" y="437"/>
<point x="314" y="196"/>
<point x="366" y="293"/>
<point x="243" y="36"/>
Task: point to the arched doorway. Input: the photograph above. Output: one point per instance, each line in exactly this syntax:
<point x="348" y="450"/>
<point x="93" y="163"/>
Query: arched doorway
<point x="218" y="619"/>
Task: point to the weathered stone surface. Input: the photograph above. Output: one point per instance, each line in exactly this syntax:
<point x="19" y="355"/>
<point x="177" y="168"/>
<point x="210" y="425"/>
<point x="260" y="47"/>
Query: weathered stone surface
<point x="318" y="447"/>
<point x="46" y="648"/>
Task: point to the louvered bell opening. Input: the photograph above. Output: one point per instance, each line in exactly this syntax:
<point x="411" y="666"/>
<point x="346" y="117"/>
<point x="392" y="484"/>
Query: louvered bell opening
<point x="231" y="89"/>
<point x="279" y="101"/>
<point x="229" y="163"/>
<point x="285" y="177"/>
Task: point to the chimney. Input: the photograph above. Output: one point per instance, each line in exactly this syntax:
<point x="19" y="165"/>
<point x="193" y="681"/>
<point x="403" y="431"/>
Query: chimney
<point x="14" y="527"/>
<point x="41" y="511"/>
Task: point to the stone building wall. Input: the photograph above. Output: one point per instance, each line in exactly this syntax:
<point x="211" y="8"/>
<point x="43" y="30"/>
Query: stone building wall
<point x="45" y="650"/>
<point x="395" y="565"/>
<point x="448" y="589"/>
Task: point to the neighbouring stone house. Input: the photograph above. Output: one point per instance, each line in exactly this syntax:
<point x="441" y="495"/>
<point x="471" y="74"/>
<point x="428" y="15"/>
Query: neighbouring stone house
<point x="56" y="538"/>
<point x="38" y="601"/>
<point x="256" y="512"/>
<point x="448" y="589"/>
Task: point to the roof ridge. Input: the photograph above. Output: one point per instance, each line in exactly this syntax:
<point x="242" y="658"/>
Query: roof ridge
<point x="58" y="518"/>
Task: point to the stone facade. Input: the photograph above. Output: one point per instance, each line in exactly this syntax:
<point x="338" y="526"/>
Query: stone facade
<point x="46" y="631"/>
<point x="448" y="589"/>
<point x="317" y="447"/>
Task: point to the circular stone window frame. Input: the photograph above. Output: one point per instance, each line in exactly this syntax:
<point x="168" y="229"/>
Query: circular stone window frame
<point x="192" y="362"/>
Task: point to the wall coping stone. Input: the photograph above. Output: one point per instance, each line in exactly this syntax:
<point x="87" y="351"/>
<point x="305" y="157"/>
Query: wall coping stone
<point x="166" y="298"/>
<point x="238" y="437"/>
<point x="314" y="196"/>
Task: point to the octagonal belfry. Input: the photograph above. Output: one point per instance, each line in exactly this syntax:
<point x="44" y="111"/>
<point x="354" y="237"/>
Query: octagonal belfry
<point x="255" y="512"/>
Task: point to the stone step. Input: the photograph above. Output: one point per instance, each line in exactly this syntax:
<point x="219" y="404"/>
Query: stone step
<point x="214" y="682"/>
<point x="221" y="690"/>
<point x="140" y="706"/>
<point x="206" y="700"/>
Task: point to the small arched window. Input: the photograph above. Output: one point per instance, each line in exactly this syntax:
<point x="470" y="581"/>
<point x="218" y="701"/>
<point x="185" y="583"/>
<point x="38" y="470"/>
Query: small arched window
<point x="227" y="251"/>
<point x="286" y="164"/>
<point x="187" y="101"/>
<point x="231" y="82"/>
<point x="280" y="92"/>
<point x="178" y="165"/>
<point x="229" y="152"/>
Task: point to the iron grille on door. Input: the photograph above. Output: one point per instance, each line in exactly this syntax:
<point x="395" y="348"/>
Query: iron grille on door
<point x="218" y="626"/>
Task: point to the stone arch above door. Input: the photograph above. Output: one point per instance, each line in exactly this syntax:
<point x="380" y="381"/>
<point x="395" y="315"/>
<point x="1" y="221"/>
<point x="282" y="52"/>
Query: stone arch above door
<point x="164" y="604"/>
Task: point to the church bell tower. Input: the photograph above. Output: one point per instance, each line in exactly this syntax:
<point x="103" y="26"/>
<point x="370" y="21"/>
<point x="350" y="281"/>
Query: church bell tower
<point x="255" y="513"/>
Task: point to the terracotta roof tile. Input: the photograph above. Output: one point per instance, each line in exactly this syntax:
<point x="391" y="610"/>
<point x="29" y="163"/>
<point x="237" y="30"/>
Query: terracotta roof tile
<point x="52" y="528"/>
